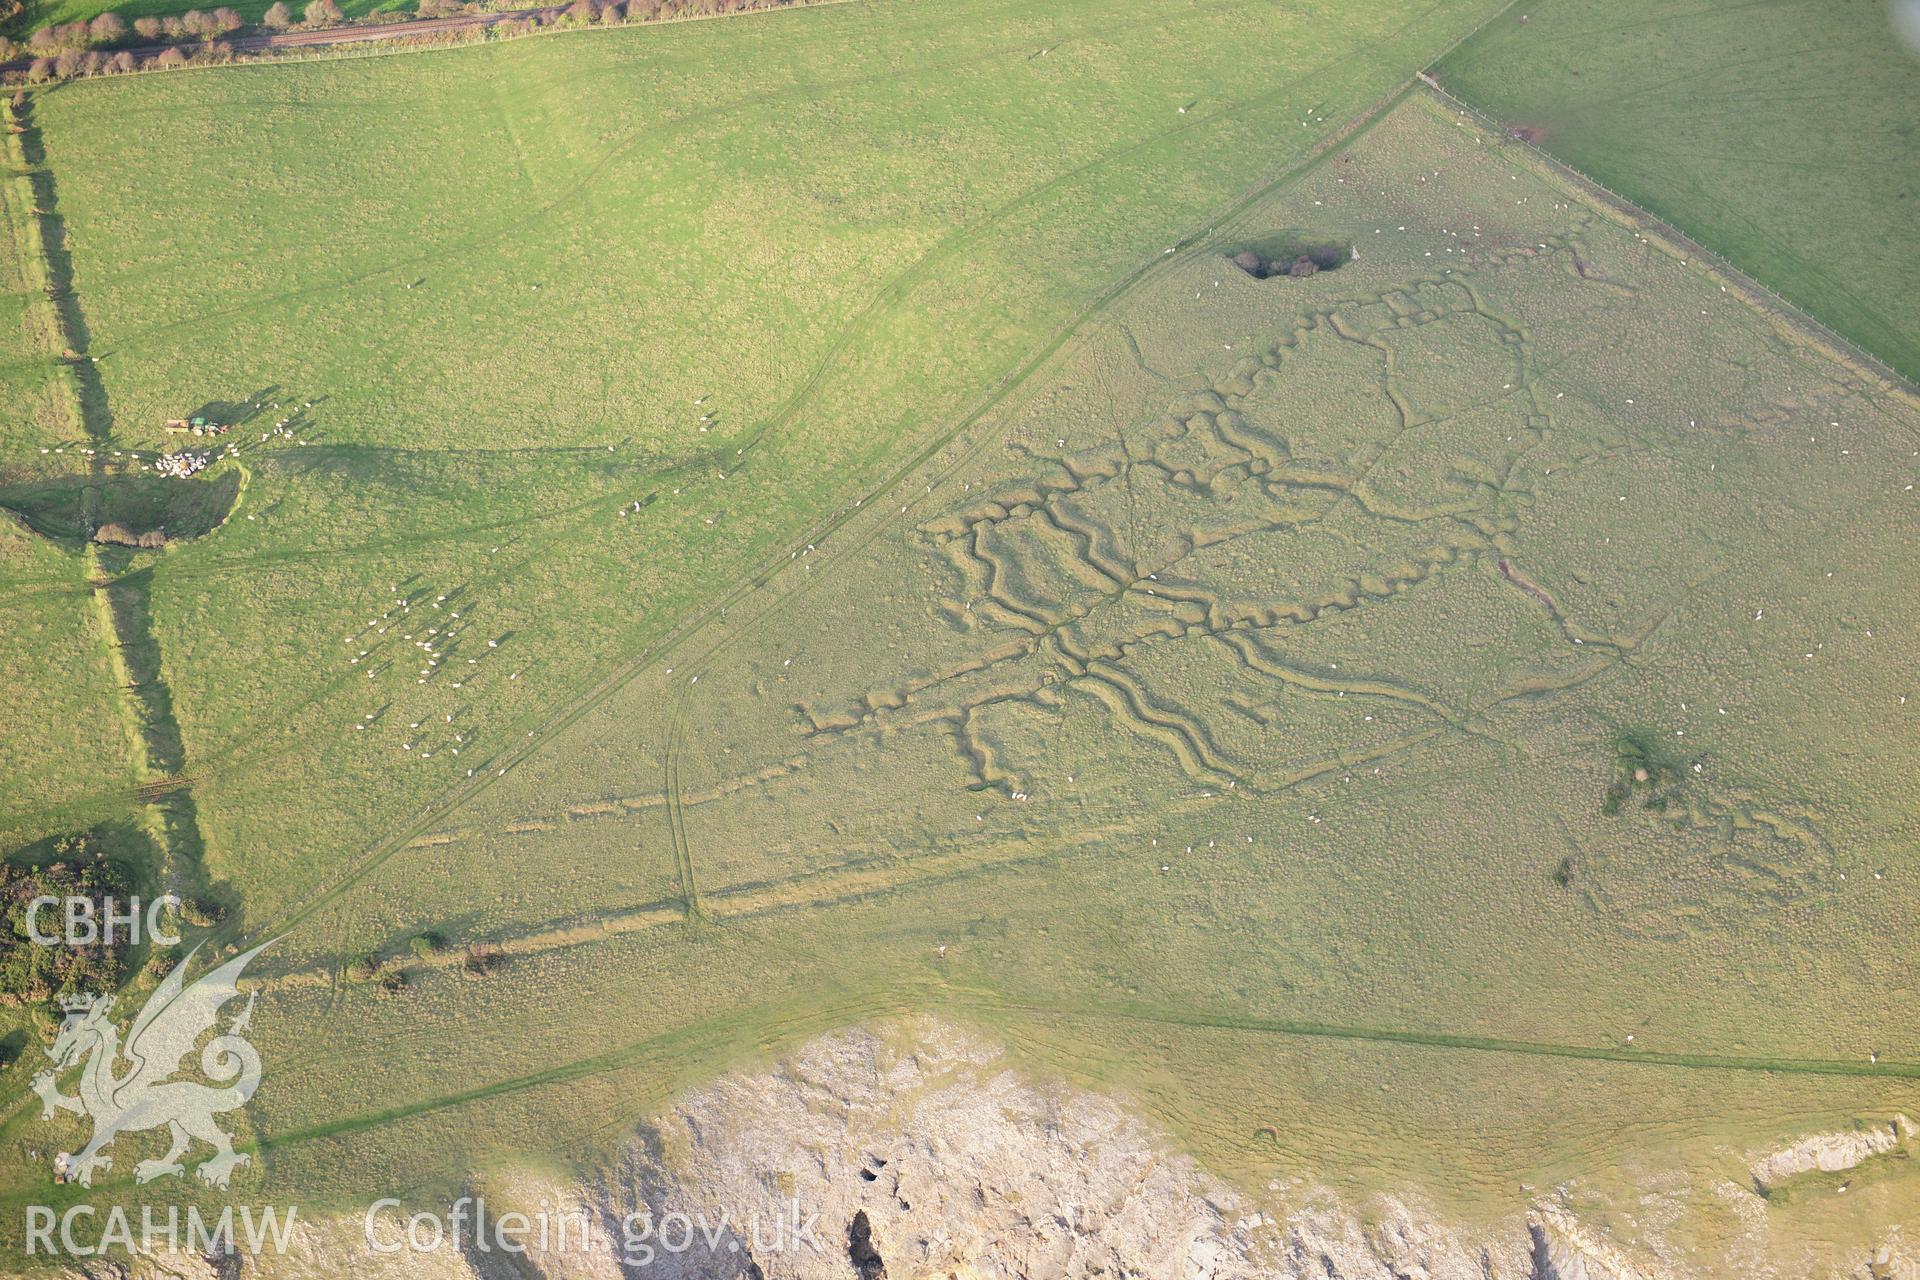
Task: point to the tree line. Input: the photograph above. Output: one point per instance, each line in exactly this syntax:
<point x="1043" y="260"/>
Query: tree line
<point x="103" y="45"/>
<point x="109" y="31"/>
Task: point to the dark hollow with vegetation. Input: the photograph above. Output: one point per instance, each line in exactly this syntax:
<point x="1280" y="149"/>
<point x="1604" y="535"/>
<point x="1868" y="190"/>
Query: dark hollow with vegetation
<point x="1291" y="257"/>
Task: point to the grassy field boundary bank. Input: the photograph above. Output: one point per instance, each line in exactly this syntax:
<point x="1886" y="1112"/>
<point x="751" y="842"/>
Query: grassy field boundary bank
<point x="1202" y="237"/>
<point x="1464" y="946"/>
<point x="1219" y="233"/>
<point x="28" y="207"/>
<point x="104" y="625"/>
<point x="989" y="1009"/>
<point x="1664" y="235"/>
<point x="982" y="1006"/>
<point x="118" y="599"/>
<point x="163" y="812"/>
<point x="121" y="611"/>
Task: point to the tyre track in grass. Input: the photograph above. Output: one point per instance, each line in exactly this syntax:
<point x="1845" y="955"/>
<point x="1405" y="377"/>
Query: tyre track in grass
<point x="1301" y="1028"/>
<point x="891" y="294"/>
<point x="620" y="1058"/>
<point x="985" y="1005"/>
<point x="838" y="1008"/>
<point x="623" y="674"/>
<point x="159" y="799"/>
<point x="721" y="1037"/>
<point x="1308" y="1029"/>
<point x="696" y="912"/>
<point x="244" y="745"/>
<point x="1190" y="244"/>
<point x="201" y="322"/>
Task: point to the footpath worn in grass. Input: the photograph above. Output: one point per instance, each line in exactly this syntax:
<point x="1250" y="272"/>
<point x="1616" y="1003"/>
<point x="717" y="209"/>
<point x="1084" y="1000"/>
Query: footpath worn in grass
<point x="1230" y="721"/>
<point x="643" y="275"/>
<point x="794" y="520"/>
<point x="1779" y="133"/>
<point x="539" y="350"/>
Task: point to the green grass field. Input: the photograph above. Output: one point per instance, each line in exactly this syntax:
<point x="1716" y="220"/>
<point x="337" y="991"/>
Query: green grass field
<point x="522" y="341"/>
<point x="1777" y="133"/>
<point x="795" y="519"/>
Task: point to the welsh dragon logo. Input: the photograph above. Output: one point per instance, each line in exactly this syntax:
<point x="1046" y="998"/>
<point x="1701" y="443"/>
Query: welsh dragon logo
<point x="142" y="1096"/>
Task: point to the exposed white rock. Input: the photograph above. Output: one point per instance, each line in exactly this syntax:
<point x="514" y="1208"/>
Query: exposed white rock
<point x="1830" y="1152"/>
<point x="917" y="1152"/>
<point x="964" y="1167"/>
<point x="1562" y="1251"/>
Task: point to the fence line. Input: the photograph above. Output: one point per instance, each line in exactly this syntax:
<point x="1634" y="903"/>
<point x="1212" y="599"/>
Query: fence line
<point x="1561" y="169"/>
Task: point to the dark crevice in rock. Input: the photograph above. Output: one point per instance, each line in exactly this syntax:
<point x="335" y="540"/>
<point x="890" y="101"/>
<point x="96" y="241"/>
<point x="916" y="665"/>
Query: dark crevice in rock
<point x="1542" y="1259"/>
<point x="867" y="1263"/>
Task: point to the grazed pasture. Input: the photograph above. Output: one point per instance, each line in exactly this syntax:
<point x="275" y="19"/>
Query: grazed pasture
<point x="1778" y="133"/>
<point x="901" y="561"/>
